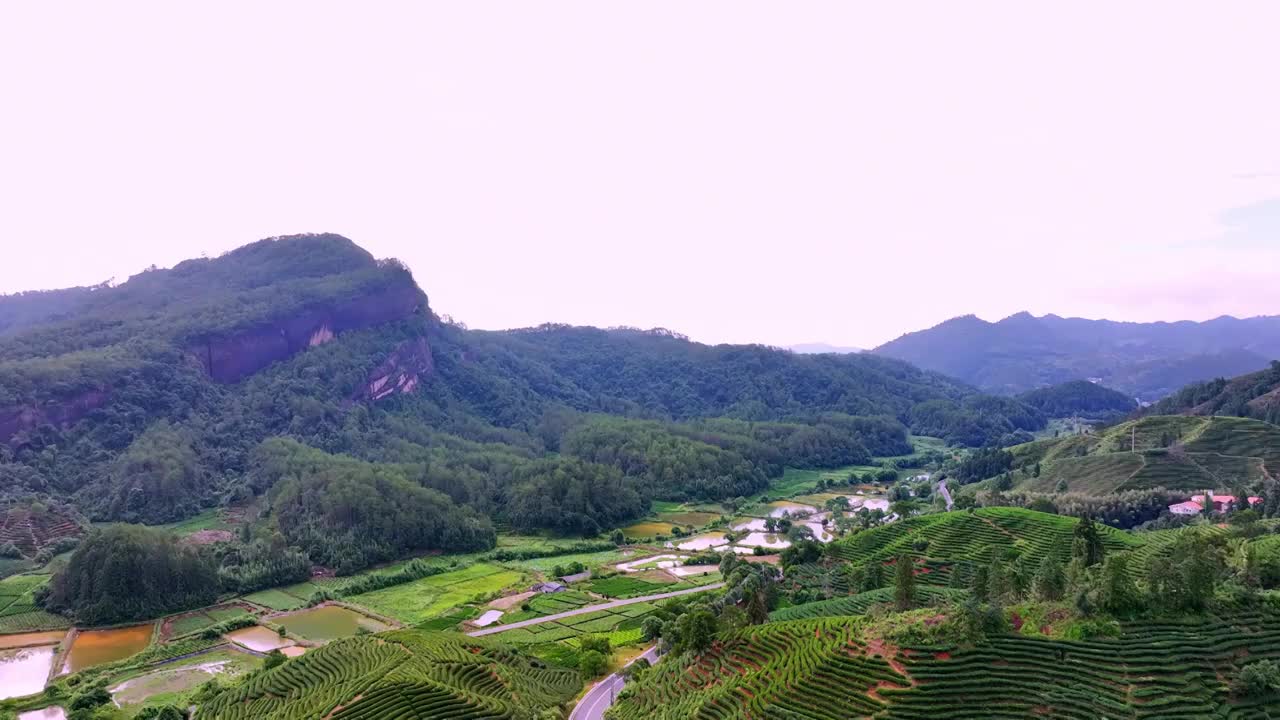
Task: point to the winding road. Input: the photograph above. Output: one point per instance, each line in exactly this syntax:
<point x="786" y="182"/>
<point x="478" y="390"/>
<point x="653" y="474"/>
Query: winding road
<point x="946" y="494"/>
<point x="598" y="699"/>
<point x="590" y="609"/>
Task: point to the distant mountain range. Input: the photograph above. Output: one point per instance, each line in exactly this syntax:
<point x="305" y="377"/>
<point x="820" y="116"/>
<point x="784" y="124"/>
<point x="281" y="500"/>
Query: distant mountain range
<point x="821" y="348"/>
<point x="1147" y="361"/>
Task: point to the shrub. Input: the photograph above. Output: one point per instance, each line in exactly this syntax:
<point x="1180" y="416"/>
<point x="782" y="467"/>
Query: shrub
<point x="591" y="663"/>
<point x="1257" y="678"/>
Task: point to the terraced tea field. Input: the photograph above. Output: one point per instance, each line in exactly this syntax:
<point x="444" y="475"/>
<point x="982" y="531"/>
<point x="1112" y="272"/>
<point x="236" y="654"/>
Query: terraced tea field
<point x="1155" y="670"/>
<point x="827" y="668"/>
<point x="402" y="674"/>
<point x="965" y="535"/>
<point x="861" y="602"/>
<point x="18" y="611"/>
<point x="818" y="669"/>
<point x="1215" y="452"/>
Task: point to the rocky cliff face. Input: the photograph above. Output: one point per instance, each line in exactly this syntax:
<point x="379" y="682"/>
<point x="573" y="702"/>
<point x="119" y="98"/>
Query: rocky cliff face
<point x="20" y="418"/>
<point x="400" y="373"/>
<point x="233" y="358"/>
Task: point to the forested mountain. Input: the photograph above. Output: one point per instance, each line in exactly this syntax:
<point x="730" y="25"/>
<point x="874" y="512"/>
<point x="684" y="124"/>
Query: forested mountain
<point x="1079" y="398"/>
<point x="303" y="371"/>
<point x="1142" y="360"/>
<point x="1256" y="395"/>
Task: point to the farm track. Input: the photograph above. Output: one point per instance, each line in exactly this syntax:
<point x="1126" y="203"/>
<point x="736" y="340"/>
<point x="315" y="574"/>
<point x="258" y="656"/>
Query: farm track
<point x="590" y="609"/>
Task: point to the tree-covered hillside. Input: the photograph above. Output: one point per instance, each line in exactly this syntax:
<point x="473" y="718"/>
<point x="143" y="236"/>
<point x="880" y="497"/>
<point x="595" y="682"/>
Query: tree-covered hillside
<point x="1079" y="398"/>
<point x="1129" y="473"/>
<point x="1143" y="360"/>
<point x="303" y="377"/>
<point x="1256" y="395"/>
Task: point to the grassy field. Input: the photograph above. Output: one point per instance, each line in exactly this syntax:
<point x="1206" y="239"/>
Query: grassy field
<point x="544" y="565"/>
<point x="429" y="597"/>
<point x="211" y="519"/>
<point x="275" y="599"/>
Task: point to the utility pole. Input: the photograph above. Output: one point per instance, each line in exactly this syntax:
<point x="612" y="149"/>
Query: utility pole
<point x="1133" y="438"/>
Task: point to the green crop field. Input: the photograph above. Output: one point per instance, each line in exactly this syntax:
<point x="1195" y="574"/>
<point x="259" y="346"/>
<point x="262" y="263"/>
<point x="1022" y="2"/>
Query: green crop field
<point x="964" y="535"/>
<point x="817" y="669"/>
<point x="1092" y="474"/>
<point x="1217" y="452"/>
<point x="621" y="625"/>
<point x="624" y="586"/>
<point x="861" y="602"/>
<point x="421" y="600"/>
<point x="830" y="668"/>
<point x="401" y="674"/>
<point x="276" y="599"/>
<point x="545" y="565"/>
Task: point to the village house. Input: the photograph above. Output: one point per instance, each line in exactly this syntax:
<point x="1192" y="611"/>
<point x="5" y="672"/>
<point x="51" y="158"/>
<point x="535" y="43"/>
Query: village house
<point x="1196" y="505"/>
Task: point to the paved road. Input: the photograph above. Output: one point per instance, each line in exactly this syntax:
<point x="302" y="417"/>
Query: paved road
<point x="946" y="494"/>
<point x="591" y="608"/>
<point x="598" y="699"/>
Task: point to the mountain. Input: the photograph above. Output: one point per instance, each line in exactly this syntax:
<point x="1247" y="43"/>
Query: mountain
<point x="303" y="377"/>
<point x="1256" y="395"/>
<point x="820" y="348"/>
<point x="1143" y="360"/>
<point x="1079" y="398"/>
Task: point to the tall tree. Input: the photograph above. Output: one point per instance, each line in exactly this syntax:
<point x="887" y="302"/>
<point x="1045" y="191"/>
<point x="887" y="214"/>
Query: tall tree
<point x="1050" y="583"/>
<point x="904" y="583"/>
<point x="1087" y="543"/>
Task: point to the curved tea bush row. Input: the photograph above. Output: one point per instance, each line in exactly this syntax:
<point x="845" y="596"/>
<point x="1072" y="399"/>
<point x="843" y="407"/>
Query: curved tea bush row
<point x="805" y="669"/>
<point x="406" y="673"/>
<point x="970" y="535"/>
<point x="1153" y="670"/>
<point x="858" y="604"/>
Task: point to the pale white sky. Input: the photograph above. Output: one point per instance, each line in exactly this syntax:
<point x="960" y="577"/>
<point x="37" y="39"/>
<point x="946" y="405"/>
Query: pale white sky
<point x="738" y="171"/>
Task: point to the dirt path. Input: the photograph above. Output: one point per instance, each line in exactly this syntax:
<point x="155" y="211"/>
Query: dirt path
<point x="592" y="608"/>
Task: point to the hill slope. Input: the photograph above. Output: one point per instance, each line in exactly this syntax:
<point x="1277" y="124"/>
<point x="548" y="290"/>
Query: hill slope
<point x="1079" y="398"/>
<point x="1256" y="395"/>
<point x="1143" y="360"/>
<point x="409" y="673"/>
<point x="1173" y="452"/>
<point x="841" y="668"/>
<point x="169" y="393"/>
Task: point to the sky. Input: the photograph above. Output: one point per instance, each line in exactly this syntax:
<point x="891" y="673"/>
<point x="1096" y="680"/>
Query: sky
<point x="737" y="171"/>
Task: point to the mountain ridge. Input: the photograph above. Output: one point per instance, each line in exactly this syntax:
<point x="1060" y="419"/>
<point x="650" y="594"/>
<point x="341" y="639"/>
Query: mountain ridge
<point x="1023" y="352"/>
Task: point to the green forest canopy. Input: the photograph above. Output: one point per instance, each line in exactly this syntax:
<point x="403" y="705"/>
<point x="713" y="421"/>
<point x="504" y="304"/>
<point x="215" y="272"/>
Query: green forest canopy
<point x="561" y="428"/>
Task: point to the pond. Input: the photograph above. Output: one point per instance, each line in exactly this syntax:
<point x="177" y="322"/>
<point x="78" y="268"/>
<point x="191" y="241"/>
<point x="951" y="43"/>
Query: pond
<point x="139" y="689"/>
<point x="657" y="561"/>
<point x="704" y="542"/>
<point x="259" y="639"/>
<point x="49" y="713"/>
<point x="24" y="671"/>
<point x="784" y="508"/>
<point x="95" y="647"/>
<point x="21" y="640"/>
<point x="328" y="623"/>
<point x="767" y="540"/>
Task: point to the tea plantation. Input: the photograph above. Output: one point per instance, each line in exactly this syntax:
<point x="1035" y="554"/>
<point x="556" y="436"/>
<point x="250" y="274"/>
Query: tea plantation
<point x="402" y="674"/>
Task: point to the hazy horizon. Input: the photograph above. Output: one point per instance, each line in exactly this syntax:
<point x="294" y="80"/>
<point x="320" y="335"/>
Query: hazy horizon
<point x="738" y="172"/>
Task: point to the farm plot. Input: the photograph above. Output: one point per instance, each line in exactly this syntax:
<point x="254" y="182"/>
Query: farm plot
<point x="421" y="600"/>
<point x="817" y="669"/>
<point x="964" y="535"/>
<point x="621" y="625"/>
<point x="409" y="673"/>
<point x="18" y="610"/>
<point x="1153" y="670"/>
